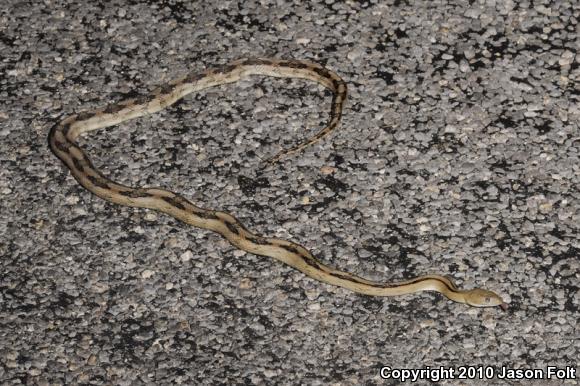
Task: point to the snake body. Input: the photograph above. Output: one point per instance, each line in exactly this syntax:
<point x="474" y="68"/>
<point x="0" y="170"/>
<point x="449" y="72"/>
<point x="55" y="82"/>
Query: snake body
<point x="62" y="142"/>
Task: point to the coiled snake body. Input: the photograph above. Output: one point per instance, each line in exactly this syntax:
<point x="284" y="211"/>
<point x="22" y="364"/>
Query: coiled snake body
<point x="62" y="142"/>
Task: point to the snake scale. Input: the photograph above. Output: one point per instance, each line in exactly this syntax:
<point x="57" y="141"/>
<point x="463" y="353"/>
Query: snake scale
<point x="62" y="142"/>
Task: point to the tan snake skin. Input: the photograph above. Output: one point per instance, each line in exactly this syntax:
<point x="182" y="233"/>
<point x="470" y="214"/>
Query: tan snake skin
<point x="62" y="142"/>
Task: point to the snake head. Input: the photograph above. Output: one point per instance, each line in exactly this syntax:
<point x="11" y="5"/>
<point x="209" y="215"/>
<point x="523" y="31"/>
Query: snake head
<point x="478" y="297"/>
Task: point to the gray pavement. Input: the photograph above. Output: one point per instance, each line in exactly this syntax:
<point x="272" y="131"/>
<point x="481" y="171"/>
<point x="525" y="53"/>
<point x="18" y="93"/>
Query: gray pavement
<point x="458" y="154"/>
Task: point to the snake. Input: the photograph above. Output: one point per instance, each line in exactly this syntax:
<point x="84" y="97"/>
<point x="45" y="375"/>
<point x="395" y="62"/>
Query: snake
<point x="62" y="141"/>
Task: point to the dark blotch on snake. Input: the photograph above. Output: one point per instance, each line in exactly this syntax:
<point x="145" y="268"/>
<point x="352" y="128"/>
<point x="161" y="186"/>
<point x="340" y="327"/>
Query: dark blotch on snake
<point x="65" y="128"/>
<point x="233" y="227"/>
<point x="336" y="83"/>
<point x="173" y="201"/>
<point x="208" y="215"/>
<point x="62" y="146"/>
<point x="345" y="276"/>
<point x="311" y="262"/>
<point x="166" y="89"/>
<point x="290" y="248"/>
<point x="224" y="69"/>
<point x="83" y="116"/>
<point x="256" y="62"/>
<point x="140" y="100"/>
<point x="135" y="193"/>
<point x="258" y="240"/>
<point x="98" y="182"/>
<point x="78" y="165"/>
<point x="194" y="77"/>
<point x="112" y="109"/>
<point x="292" y="64"/>
<point x="321" y="71"/>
